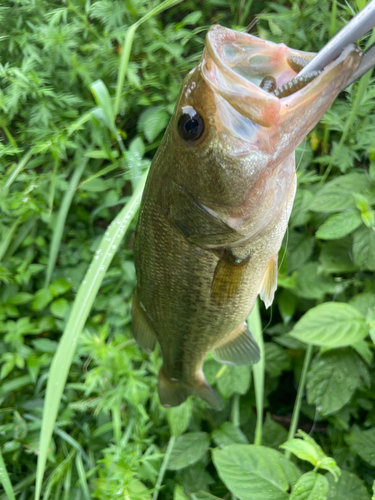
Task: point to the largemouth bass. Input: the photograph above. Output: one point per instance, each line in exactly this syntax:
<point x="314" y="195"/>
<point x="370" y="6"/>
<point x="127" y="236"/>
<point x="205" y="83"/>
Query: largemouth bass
<point x="217" y="202"/>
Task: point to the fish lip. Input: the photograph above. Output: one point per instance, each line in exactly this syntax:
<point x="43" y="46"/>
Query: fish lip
<point x="246" y="97"/>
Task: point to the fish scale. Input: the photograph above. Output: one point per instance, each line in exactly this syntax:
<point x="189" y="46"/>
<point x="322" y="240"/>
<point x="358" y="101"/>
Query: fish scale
<point x="217" y="203"/>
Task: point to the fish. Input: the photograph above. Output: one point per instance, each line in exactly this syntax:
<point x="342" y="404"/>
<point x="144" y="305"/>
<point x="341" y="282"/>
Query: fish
<point x="217" y="201"/>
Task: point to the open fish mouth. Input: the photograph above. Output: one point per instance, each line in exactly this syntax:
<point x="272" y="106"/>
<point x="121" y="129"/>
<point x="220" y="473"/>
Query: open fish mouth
<point x="260" y="78"/>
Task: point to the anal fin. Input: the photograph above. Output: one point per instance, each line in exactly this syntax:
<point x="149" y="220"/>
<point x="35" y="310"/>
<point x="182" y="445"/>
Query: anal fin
<point x="174" y="392"/>
<point x="143" y="333"/>
<point x="240" y="349"/>
<point x="269" y="282"/>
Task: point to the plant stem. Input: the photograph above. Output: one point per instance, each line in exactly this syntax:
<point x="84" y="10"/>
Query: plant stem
<point x="255" y="326"/>
<point x="301" y="388"/>
<point x="164" y="466"/>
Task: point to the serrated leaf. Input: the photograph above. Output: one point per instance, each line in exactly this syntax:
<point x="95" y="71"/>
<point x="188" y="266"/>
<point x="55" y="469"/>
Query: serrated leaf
<point x="332" y="379"/>
<point x="188" y="449"/>
<point x="309" y="451"/>
<point x="227" y="434"/>
<point x="339" y="225"/>
<point x="331" y="324"/>
<point x="277" y="360"/>
<point x="152" y="121"/>
<point x="251" y="471"/>
<point x="348" y="487"/>
<point x="364" y="247"/>
<point x="363" y="443"/>
<point x="179" y="418"/>
<point x="310" y="486"/>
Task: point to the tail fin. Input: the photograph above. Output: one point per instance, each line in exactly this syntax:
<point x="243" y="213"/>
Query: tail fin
<point x="174" y="392"/>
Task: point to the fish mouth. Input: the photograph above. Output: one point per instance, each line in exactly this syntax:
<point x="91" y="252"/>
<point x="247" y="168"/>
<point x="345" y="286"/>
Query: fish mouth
<point x="234" y="65"/>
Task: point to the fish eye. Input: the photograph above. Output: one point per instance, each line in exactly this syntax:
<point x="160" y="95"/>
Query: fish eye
<point x="191" y="126"/>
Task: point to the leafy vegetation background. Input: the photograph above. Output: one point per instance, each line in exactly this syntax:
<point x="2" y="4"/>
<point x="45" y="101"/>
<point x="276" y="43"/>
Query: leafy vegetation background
<point x="68" y="167"/>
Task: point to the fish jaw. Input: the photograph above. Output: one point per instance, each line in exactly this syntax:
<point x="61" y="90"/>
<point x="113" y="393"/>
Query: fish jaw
<point x="234" y="64"/>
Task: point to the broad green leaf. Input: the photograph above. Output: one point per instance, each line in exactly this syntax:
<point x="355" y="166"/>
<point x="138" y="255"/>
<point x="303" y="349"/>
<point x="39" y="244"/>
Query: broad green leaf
<point x="339" y="225"/>
<point x="235" y="379"/>
<point x="227" y="434"/>
<point x="59" y="307"/>
<point x="337" y="194"/>
<point x="363" y="443"/>
<point x="348" y="487"/>
<point x="179" y="494"/>
<point x="336" y="257"/>
<point x="277" y="360"/>
<point x="331" y="324"/>
<point x="251" y="471"/>
<point x="310" y="486"/>
<point x="202" y="495"/>
<point x="332" y="379"/>
<point x="309" y="451"/>
<point x="300" y="214"/>
<point x="363" y="349"/>
<point x="179" y="417"/>
<point x="274" y="434"/>
<point x="60" y="286"/>
<point x="312" y="284"/>
<point x="364" y="248"/>
<point x="192" y="18"/>
<point x="41" y="299"/>
<point x="299" y="248"/>
<point x="188" y="449"/>
<point x="364" y="302"/>
<point x="152" y="121"/>
<point x="20" y="298"/>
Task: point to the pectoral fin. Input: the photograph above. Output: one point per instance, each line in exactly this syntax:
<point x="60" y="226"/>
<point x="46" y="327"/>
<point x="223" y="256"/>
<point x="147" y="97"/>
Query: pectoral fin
<point x="240" y="349"/>
<point x="197" y="224"/>
<point x="143" y="333"/>
<point x="269" y="282"/>
<point x="228" y="277"/>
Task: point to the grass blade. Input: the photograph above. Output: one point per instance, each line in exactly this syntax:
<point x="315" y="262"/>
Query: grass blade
<point x="15" y="172"/>
<point x="82" y="477"/>
<point x="128" y="45"/>
<point x="255" y="326"/>
<point x="61" y="218"/>
<point x="8" y="238"/>
<point x="163" y="467"/>
<point x="4" y="479"/>
<point x="82" y="305"/>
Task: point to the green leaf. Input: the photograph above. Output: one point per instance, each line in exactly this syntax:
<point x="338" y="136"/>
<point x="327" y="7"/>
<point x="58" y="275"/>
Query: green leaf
<point x="234" y="380"/>
<point x="227" y="434"/>
<point x="179" y="494"/>
<point x="5" y="481"/>
<point x="152" y="121"/>
<point x="179" y="418"/>
<point x="42" y="298"/>
<point x="188" y="449"/>
<point x="255" y="472"/>
<point x="103" y="100"/>
<point x="311" y="284"/>
<point x="363" y="444"/>
<point x="364" y="247"/>
<point x="332" y="379"/>
<point x="364" y="302"/>
<point x="339" y="225"/>
<point x="60" y="286"/>
<point x="274" y="434"/>
<point x="348" y="487"/>
<point x="20" y="298"/>
<point x="305" y="449"/>
<point x="336" y="257"/>
<point x="331" y="324"/>
<point x="310" y="486"/>
<point x="59" y="307"/>
<point x="277" y="360"/>
<point x="300" y="247"/>
<point x="300" y="214"/>
<point x="336" y="195"/>
<point x="202" y="495"/>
